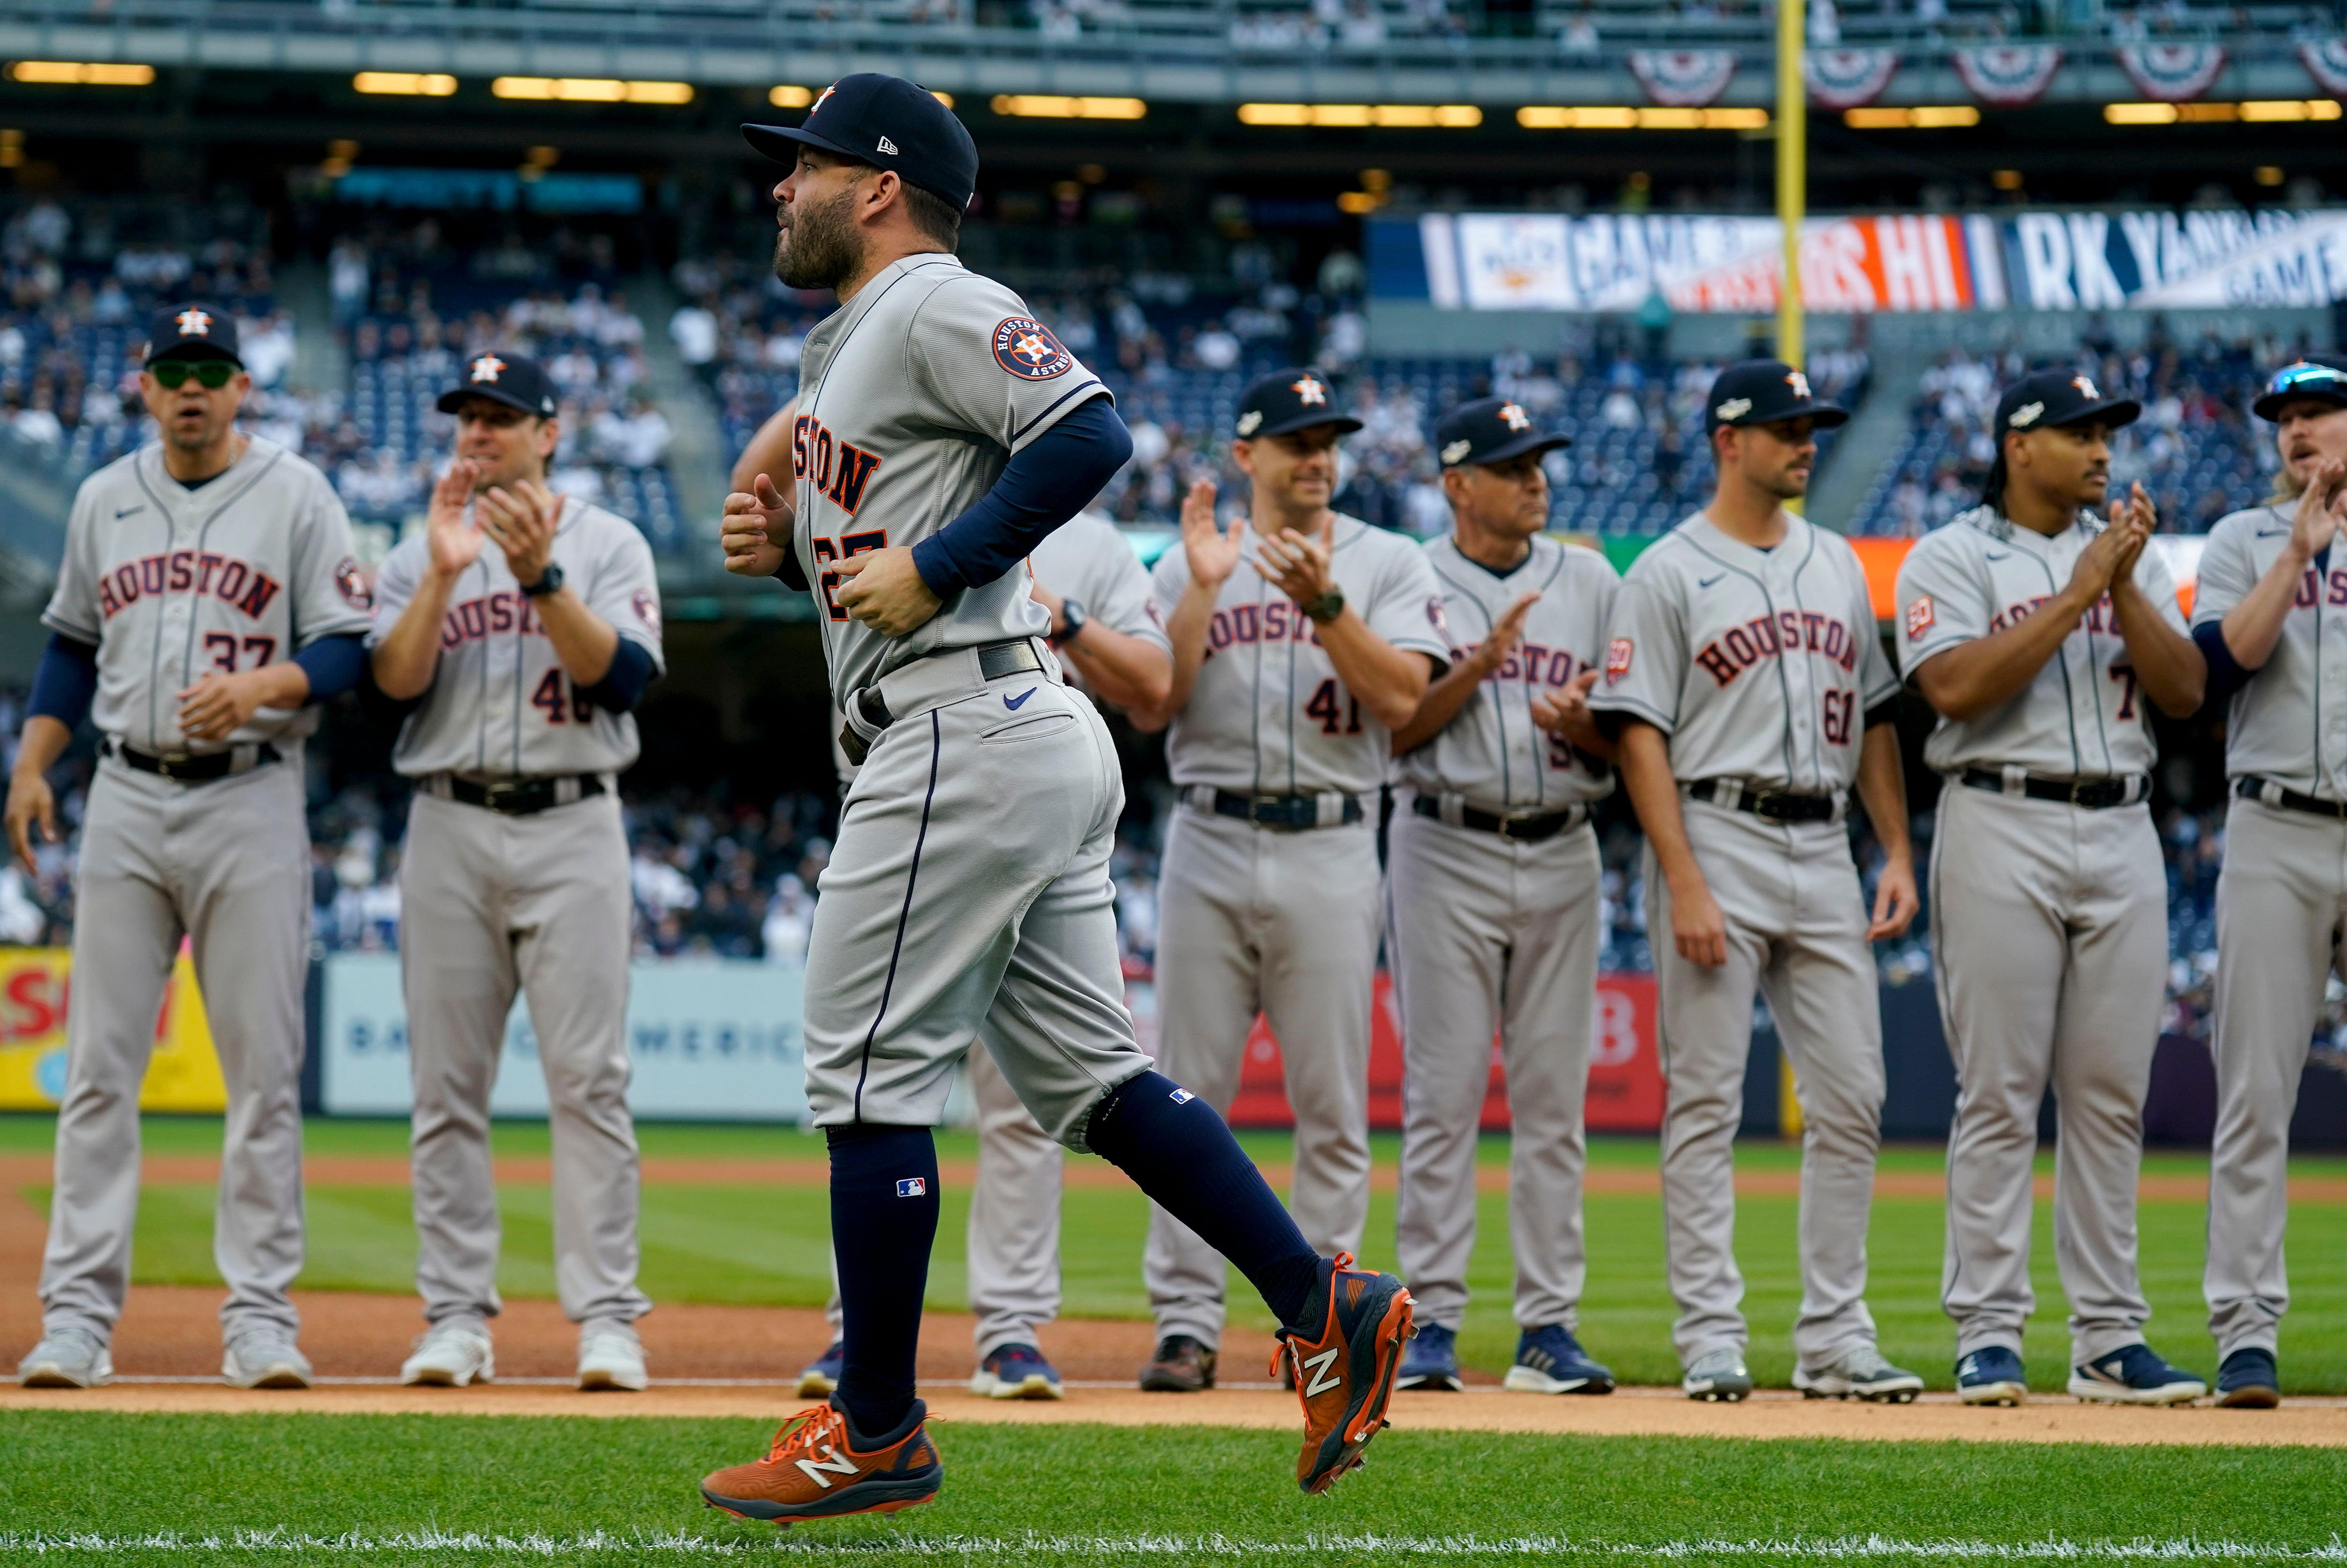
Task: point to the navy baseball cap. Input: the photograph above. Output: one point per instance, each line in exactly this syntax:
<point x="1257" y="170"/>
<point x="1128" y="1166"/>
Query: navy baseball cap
<point x="1288" y="400"/>
<point x="192" y="331"/>
<point x="515" y="380"/>
<point x="889" y="123"/>
<point x="1490" y="430"/>
<point x="2317" y="375"/>
<point x="1762" y="392"/>
<point x="2058" y="397"/>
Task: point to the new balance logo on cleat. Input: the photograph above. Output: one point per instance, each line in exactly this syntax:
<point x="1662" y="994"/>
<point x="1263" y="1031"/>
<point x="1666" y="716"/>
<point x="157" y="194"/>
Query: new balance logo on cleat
<point x="838" y="1464"/>
<point x="1322" y="1380"/>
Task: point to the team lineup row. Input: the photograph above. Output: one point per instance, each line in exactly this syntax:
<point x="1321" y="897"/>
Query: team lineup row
<point x="919" y="489"/>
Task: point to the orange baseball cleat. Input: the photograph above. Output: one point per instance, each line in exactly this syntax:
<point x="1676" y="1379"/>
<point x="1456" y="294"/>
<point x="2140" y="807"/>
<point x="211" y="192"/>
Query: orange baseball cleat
<point x="1345" y="1378"/>
<point x="817" y="1469"/>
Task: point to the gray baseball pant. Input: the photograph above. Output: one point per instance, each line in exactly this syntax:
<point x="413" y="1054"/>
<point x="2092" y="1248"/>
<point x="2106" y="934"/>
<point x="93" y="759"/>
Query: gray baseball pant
<point x="225" y="864"/>
<point x="2281" y="903"/>
<point x="1796" y="930"/>
<point x="1488" y="936"/>
<point x="490" y="904"/>
<point x="1255" y="919"/>
<point x="2050" y="925"/>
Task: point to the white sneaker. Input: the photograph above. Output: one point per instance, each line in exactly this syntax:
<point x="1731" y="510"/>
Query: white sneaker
<point x="611" y="1357"/>
<point x="265" y="1358"/>
<point x="1862" y="1373"/>
<point x="1718" y="1375"/>
<point x="450" y="1355"/>
<point x="72" y="1358"/>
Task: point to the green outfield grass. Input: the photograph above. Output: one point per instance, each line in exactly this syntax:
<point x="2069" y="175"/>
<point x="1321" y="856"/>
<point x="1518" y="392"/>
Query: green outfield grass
<point x="766" y="1245"/>
<point x="411" y="1488"/>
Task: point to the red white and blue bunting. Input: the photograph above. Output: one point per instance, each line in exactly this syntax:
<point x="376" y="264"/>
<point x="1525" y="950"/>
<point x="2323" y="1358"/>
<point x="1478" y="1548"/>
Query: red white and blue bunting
<point x="2173" y="72"/>
<point x="1683" y="79"/>
<point x="2327" y="64"/>
<point x="1848" y="78"/>
<point x="2008" y="75"/>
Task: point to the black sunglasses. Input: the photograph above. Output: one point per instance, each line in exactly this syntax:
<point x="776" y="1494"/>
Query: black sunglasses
<point x="211" y="374"/>
<point x="2291" y="377"/>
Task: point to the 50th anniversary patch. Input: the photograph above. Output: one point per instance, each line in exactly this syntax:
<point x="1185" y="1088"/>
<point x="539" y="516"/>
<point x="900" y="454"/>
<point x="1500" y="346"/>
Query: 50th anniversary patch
<point x="1027" y="349"/>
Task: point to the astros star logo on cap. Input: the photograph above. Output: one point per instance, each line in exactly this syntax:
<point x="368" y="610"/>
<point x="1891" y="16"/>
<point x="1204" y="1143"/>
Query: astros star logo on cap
<point x="821" y="99"/>
<point x="1309" y="390"/>
<point x="1799" y="383"/>
<point x="2084" y="386"/>
<point x="1516" y="417"/>
<point x="488" y="367"/>
<point x="192" y="322"/>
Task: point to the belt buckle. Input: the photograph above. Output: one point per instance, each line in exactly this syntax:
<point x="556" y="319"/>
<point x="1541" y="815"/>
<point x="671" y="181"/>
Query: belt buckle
<point x="168" y="763"/>
<point x="495" y="795"/>
<point x="1768" y="804"/>
<point x="1508" y="829"/>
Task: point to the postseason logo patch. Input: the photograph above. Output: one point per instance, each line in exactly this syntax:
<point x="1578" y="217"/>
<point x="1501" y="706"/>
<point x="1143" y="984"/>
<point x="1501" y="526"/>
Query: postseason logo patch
<point x="1919" y="618"/>
<point x="352" y="584"/>
<point x="647" y="607"/>
<point x="1026" y="348"/>
<point x="1617" y="660"/>
<point x="1436" y="618"/>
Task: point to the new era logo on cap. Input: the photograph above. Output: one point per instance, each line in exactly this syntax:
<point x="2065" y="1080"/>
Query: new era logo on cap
<point x="913" y="1187"/>
<point x="888" y="146"/>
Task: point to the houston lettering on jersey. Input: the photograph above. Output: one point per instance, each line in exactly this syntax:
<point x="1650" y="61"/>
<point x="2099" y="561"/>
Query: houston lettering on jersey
<point x="491" y="615"/>
<point x="834" y="467"/>
<point x="1281" y="620"/>
<point x="2099" y="616"/>
<point x="2312" y="587"/>
<point x="202" y="573"/>
<point x="1765" y="637"/>
<point x="1529" y="662"/>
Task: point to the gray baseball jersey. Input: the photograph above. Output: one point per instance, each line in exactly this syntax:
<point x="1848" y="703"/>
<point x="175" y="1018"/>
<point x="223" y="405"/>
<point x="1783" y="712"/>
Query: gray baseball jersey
<point x="2282" y="907"/>
<point x="170" y="582"/>
<point x="1088" y="560"/>
<point x="2082" y="716"/>
<point x="1491" y="753"/>
<point x="500" y="702"/>
<point x="1759" y="665"/>
<point x="911" y="399"/>
<point x="1268" y="715"/>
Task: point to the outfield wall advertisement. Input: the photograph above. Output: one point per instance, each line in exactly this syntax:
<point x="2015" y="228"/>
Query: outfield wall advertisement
<point x="36" y="990"/>
<point x="2066" y="260"/>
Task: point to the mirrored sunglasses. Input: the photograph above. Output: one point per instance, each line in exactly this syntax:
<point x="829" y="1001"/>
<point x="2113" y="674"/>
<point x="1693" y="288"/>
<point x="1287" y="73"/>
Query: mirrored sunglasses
<point x="2305" y="374"/>
<point x="211" y="374"/>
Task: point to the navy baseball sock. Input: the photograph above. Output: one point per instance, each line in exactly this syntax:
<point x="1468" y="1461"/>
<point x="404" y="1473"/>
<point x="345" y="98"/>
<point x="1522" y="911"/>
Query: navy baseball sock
<point x="1182" y="1154"/>
<point x="884" y="1218"/>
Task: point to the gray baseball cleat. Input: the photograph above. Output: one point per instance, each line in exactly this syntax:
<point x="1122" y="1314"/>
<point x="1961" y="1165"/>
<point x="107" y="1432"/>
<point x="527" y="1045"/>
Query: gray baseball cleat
<point x="265" y="1358"/>
<point x="1860" y="1373"/>
<point x="68" y="1357"/>
<point x="1718" y="1375"/>
<point x="610" y="1357"/>
<point x="450" y="1355"/>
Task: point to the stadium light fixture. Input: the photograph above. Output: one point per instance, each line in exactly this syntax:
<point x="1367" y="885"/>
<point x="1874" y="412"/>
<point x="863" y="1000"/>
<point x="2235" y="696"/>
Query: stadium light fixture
<point x="81" y="73"/>
<point x="1389" y="116"/>
<point x="1920" y="117"/>
<point x="790" y="97"/>
<point x="1051" y="106"/>
<point x="1596" y="116"/>
<point x="405" y="84"/>
<point x="591" y="90"/>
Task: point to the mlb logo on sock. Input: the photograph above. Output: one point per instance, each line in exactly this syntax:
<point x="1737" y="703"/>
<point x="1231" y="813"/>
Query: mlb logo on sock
<point x="913" y="1187"/>
<point x="1181" y="1097"/>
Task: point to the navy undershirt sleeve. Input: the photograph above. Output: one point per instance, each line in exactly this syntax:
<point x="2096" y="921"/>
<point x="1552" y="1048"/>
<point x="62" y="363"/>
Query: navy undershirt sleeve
<point x="2226" y="675"/>
<point x="1886" y="711"/>
<point x="333" y="664"/>
<point x="1042" y="485"/>
<point x="624" y="681"/>
<point x="65" y="682"/>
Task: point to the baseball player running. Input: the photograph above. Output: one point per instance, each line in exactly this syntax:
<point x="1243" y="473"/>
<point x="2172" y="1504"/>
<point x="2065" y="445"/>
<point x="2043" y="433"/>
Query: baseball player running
<point x="207" y="603"/>
<point x="2042" y="637"/>
<point x="1302" y="639"/>
<point x="1750" y="692"/>
<point x="523" y="625"/>
<point x="941" y="432"/>
<point x="1491" y="899"/>
<point x="1104" y="627"/>
<point x="2269" y="579"/>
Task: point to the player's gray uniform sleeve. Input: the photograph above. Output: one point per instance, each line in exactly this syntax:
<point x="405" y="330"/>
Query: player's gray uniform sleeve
<point x="2227" y="573"/>
<point x="1646" y="653"/>
<point x="626" y="592"/>
<point x="1407" y="610"/>
<point x="1877" y="681"/>
<point x="1169" y="580"/>
<point x="329" y="596"/>
<point x="395" y="587"/>
<point x="74" y="607"/>
<point x="1943" y="598"/>
<point x="951" y="352"/>
<point x="1128" y="604"/>
<point x="2159" y="585"/>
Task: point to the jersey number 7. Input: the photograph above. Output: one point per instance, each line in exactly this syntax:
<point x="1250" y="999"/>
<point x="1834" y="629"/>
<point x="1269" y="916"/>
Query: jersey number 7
<point x="841" y="548"/>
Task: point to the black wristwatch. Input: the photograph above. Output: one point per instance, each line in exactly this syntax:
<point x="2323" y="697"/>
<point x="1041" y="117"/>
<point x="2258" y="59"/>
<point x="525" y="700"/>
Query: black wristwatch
<point x="547" y="584"/>
<point x="1327" y="608"/>
<point x="1072" y="620"/>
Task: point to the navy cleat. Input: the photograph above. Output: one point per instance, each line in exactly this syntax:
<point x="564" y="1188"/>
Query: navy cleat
<point x="2135" y="1374"/>
<point x="2248" y="1381"/>
<point x="1016" y="1372"/>
<point x="1430" y="1361"/>
<point x="822" y="1375"/>
<point x="1991" y="1375"/>
<point x="1550" y="1361"/>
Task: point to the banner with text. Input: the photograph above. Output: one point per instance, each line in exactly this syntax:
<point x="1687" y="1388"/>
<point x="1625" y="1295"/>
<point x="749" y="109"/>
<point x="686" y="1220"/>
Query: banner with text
<point x="36" y="989"/>
<point x="1890" y="261"/>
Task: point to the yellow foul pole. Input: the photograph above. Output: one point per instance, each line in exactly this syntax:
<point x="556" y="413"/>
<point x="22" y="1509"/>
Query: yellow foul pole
<point x="1792" y="171"/>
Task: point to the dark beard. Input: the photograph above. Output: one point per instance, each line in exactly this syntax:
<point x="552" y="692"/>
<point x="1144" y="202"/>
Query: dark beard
<point x="819" y="248"/>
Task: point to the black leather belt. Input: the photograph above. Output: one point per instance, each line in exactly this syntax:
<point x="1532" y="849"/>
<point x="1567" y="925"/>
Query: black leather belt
<point x="1288" y="812"/>
<point x="995" y="659"/>
<point x="202" y="767"/>
<point x="518" y="798"/>
<point x="2092" y="794"/>
<point x="1520" y="829"/>
<point x="2265" y="791"/>
<point x="1772" y="805"/>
